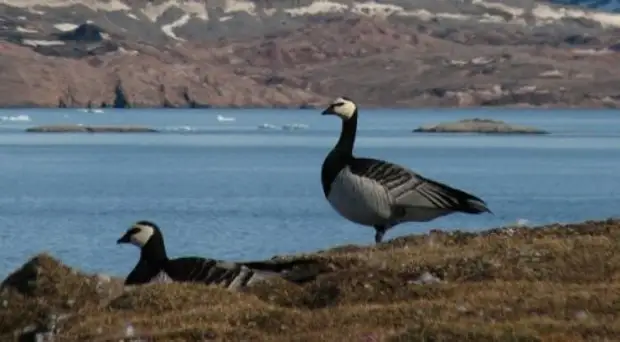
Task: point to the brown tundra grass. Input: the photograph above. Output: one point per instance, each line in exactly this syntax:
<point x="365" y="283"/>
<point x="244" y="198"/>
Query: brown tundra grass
<point x="551" y="283"/>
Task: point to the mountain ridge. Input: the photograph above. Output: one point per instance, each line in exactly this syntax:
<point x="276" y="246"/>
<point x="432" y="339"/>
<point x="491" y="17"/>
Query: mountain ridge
<point x="302" y="53"/>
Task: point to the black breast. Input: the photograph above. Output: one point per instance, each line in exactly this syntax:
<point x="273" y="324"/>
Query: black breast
<point x="332" y="165"/>
<point x="143" y="273"/>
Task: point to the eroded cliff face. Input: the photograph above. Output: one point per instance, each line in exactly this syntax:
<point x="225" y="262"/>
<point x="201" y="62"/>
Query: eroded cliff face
<point x="302" y="54"/>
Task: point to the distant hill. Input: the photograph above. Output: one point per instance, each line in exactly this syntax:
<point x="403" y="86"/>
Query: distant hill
<point x="303" y="53"/>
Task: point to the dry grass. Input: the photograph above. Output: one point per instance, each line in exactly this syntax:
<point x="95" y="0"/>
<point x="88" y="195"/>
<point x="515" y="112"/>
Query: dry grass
<point x="553" y="283"/>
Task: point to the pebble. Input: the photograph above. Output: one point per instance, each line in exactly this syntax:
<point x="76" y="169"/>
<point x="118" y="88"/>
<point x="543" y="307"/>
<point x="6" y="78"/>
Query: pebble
<point x="427" y="278"/>
<point x="103" y="277"/>
<point x="129" y="330"/>
<point x="581" y="315"/>
<point x="44" y="337"/>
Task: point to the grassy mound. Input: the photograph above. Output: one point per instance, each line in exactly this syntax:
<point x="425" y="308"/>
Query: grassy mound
<point x="551" y="283"/>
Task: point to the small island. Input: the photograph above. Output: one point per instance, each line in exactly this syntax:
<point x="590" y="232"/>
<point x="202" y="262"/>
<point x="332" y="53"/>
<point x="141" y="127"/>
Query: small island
<point x="477" y="125"/>
<point x="89" y="129"/>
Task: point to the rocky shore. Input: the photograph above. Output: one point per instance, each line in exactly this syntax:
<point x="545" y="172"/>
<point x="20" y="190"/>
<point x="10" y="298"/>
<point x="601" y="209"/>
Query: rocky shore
<point x="551" y="283"/>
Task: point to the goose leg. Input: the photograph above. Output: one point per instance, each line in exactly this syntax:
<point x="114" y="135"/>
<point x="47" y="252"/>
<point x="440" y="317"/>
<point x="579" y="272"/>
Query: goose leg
<point x="379" y="231"/>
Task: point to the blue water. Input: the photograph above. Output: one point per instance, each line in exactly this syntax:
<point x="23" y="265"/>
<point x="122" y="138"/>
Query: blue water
<point x="231" y="191"/>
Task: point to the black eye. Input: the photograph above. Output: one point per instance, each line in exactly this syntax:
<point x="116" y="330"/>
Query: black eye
<point x="133" y="231"/>
<point x="338" y="104"/>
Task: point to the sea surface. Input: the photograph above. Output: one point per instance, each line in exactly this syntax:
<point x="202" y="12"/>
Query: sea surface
<point x="231" y="190"/>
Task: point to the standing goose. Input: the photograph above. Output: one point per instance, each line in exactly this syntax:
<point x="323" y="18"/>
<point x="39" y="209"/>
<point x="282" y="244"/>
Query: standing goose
<point x="154" y="264"/>
<point x="381" y="194"/>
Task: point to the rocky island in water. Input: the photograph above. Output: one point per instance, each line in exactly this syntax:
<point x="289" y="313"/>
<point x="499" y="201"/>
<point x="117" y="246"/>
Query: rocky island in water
<point x="476" y="125"/>
<point x="89" y="129"/>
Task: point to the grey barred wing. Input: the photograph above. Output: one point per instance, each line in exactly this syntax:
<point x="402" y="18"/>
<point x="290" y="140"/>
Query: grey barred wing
<point x="208" y="271"/>
<point x="407" y="202"/>
<point x="298" y="271"/>
<point x="235" y="275"/>
<point x="408" y="190"/>
<point x="389" y="175"/>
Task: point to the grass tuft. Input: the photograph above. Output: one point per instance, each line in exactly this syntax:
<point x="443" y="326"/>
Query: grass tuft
<point x="551" y="283"/>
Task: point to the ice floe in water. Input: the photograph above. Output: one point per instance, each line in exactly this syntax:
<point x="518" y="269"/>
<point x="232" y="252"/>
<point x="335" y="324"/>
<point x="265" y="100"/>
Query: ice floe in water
<point x="21" y="117"/>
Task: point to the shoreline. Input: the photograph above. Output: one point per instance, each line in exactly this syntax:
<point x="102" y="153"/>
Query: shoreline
<point x="509" y="283"/>
<point x="317" y="107"/>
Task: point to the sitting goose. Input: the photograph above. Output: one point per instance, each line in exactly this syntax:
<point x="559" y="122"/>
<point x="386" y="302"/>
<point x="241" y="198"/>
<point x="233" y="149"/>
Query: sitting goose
<point x="154" y="264"/>
<point x="381" y="194"/>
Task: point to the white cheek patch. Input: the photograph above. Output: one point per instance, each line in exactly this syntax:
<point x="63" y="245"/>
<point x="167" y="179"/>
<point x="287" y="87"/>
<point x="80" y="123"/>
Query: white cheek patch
<point x="343" y="116"/>
<point x="346" y="110"/>
<point x="142" y="237"/>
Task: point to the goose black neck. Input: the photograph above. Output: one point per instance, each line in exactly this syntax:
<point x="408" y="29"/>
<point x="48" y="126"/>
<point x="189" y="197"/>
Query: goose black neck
<point x="154" y="251"/>
<point x="347" y="135"/>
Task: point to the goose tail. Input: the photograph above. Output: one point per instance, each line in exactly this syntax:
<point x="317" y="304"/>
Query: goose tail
<point x="476" y="206"/>
<point x="297" y="271"/>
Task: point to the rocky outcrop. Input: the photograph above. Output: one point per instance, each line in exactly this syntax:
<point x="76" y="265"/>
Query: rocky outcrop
<point x="83" y="33"/>
<point x="120" y="99"/>
<point x="89" y="129"/>
<point x="477" y="125"/>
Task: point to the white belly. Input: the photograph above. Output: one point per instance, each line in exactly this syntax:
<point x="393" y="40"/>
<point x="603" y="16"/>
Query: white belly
<point x="359" y="199"/>
<point x="161" y="278"/>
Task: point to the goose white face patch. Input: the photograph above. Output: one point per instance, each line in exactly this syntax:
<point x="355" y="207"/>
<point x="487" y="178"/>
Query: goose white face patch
<point x="359" y="199"/>
<point x="344" y="108"/>
<point x="142" y="236"/>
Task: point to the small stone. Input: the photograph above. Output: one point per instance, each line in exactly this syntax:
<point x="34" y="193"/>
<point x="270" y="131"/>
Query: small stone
<point x="129" y="330"/>
<point x="462" y="308"/>
<point x="103" y="278"/>
<point x="581" y="315"/>
<point x="427" y="278"/>
<point x="209" y="336"/>
<point x="522" y="222"/>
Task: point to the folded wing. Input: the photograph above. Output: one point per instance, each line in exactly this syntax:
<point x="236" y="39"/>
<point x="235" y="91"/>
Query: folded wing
<point x="414" y="197"/>
<point x="235" y="275"/>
